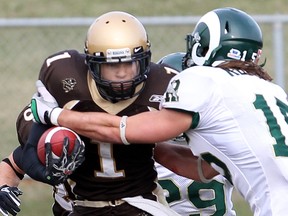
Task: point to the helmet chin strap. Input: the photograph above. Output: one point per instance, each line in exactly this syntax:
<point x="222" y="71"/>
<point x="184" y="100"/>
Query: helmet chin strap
<point x="196" y="59"/>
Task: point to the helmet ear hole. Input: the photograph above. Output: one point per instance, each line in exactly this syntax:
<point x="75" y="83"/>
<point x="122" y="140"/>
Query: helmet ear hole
<point x="227" y="28"/>
<point x="200" y="51"/>
<point x="204" y="51"/>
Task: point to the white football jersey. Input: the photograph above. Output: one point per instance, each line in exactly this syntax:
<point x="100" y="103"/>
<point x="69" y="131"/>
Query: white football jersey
<point x="188" y="197"/>
<point x="240" y="127"/>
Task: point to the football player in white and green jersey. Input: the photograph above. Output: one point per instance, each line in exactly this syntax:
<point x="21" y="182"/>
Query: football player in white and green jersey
<point x="239" y="115"/>
<point x="186" y="196"/>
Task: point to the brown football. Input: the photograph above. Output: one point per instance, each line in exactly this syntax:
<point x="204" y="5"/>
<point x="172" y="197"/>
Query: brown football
<point x="55" y="136"/>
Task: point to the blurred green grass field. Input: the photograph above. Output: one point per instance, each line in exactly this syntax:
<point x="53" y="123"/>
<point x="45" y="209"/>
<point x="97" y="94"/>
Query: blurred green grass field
<point x="17" y="85"/>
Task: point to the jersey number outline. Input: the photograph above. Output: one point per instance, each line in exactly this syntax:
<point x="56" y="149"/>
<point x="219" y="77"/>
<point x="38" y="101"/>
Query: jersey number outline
<point x="107" y="162"/>
<point x="57" y="57"/>
<point x="194" y="191"/>
<point x="280" y="147"/>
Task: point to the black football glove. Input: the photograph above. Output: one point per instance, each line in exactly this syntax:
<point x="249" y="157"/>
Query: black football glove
<point x="9" y="201"/>
<point x="55" y="171"/>
<point x="64" y="166"/>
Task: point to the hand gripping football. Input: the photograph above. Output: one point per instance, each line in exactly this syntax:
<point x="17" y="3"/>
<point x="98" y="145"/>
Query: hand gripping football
<point x="55" y="136"/>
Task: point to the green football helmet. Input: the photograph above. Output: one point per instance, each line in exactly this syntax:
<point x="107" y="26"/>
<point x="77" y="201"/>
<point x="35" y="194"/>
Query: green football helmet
<point x="224" y="34"/>
<point x="174" y="60"/>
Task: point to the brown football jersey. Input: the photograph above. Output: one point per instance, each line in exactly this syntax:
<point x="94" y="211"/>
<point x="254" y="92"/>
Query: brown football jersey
<point x="110" y="171"/>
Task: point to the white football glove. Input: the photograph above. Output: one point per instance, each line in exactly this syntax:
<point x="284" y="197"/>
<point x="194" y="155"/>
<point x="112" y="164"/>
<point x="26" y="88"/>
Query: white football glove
<point x="44" y="107"/>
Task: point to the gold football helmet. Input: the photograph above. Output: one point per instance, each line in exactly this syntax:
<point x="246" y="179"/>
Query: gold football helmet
<point x="113" y="38"/>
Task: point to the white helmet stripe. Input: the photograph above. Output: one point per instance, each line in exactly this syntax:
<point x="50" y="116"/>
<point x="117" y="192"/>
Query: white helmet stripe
<point x="212" y="21"/>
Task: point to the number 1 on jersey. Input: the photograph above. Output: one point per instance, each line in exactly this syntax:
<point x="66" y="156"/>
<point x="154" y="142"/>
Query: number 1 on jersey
<point x="107" y="162"/>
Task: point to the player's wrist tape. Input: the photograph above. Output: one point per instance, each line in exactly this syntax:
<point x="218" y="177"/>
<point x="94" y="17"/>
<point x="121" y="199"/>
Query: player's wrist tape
<point x="54" y="115"/>
<point x="122" y="128"/>
<point x="200" y="171"/>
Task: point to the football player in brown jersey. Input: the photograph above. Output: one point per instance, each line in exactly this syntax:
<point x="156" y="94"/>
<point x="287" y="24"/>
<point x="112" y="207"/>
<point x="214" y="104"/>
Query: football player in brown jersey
<point x="228" y="125"/>
<point x="115" y="76"/>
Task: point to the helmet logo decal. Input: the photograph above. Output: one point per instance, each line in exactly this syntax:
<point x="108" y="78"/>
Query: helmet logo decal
<point x="234" y="54"/>
<point x="213" y="22"/>
<point x="138" y="49"/>
<point x="69" y="84"/>
<point x="196" y="59"/>
<point x="207" y="30"/>
<point x="114" y="55"/>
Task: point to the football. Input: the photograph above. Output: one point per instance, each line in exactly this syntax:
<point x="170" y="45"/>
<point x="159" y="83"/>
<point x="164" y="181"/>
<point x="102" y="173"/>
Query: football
<point x="55" y="136"/>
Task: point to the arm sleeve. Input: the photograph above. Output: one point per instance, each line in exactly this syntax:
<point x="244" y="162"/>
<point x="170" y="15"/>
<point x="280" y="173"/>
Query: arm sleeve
<point x="29" y="160"/>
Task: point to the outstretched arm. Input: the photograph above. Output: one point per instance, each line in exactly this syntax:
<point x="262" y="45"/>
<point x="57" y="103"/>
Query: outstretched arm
<point x="99" y="126"/>
<point x="147" y="127"/>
